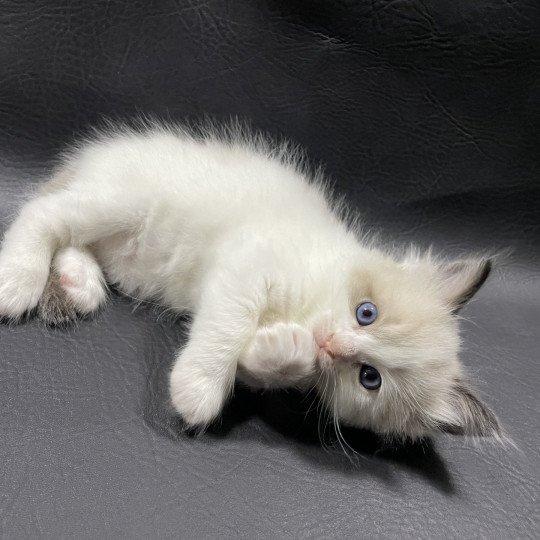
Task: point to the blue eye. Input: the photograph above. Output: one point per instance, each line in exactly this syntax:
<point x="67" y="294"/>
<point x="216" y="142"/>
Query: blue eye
<point x="370" y="378"/>
<point x="366" y="313"/>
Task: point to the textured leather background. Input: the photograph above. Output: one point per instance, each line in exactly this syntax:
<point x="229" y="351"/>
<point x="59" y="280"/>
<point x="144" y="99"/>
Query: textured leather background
<point x="427" y="114"/>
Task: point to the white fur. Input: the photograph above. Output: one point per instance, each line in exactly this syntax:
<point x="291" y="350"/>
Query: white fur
<point x="235" y="231"/>
<point x="279" y="356"/>
<point x="81" y="278"/>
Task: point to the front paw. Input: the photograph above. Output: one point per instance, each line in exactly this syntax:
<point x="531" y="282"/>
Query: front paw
<point x="196" y="397"/>
<point x="280" y="355"/>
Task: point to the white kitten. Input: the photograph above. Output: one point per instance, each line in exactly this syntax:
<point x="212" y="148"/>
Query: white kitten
<point x="283" y="293"/>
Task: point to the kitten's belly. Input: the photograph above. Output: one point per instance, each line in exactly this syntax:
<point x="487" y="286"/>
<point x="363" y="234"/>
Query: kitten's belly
<point x="146" y="270"/>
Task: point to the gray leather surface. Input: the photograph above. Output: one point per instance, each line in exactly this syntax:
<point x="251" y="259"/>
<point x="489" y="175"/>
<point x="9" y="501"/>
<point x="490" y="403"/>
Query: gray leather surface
<point x="426" y="114"/>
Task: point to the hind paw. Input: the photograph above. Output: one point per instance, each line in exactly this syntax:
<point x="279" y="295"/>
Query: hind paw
<point x="75" y="287"/>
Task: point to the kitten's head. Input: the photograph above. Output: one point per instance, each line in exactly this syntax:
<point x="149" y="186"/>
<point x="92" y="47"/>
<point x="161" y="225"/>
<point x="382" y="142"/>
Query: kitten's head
<point x="389" y="354"/>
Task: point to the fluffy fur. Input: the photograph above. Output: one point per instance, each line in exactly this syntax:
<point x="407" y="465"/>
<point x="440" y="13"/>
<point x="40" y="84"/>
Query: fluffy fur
<point x="233" y="229"/>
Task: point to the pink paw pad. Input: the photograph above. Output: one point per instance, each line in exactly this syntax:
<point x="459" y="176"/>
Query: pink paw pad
<point x="66" y="281"/>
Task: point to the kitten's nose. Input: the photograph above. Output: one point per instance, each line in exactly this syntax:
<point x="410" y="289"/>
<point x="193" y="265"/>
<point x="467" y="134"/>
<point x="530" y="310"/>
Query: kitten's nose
<point x="324" y="344"/>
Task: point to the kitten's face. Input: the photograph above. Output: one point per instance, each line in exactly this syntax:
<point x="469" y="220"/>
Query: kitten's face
<point x="389" y="355"/>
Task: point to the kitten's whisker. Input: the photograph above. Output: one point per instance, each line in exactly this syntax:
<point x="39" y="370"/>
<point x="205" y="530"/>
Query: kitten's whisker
<point x="326" y="417"/>
<point x="313" y="390"/>
<point x="314" y="387"/>
<point x="341" y="439"/>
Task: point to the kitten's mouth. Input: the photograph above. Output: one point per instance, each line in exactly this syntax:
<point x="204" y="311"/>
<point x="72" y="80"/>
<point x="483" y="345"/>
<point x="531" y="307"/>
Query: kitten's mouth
<point x="325" y="350"/>
<point x="323" y="340"/>
<point x="325" y="360"/>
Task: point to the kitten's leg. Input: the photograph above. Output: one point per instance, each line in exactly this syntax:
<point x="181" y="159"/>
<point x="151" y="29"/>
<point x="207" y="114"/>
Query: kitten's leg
<point x="280" y="356"/>
<point x="46" y="224"/>
<point x="76" y="286"/>
<point x="203" y="374"/>
<point x="24" y="265"/>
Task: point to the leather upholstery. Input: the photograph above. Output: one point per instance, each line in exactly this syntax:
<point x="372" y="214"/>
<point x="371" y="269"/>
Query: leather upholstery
<point x="426" y="114"/>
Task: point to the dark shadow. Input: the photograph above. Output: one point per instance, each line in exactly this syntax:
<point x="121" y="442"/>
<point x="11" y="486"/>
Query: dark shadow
<point x="293" y="417"/>
<point x="289" y="418"/>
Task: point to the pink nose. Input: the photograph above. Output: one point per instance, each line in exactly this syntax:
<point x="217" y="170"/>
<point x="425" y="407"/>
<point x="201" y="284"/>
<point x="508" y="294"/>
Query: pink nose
<point x="324" y="344"/>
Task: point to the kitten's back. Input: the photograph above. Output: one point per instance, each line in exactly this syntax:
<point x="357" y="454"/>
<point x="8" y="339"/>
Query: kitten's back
<point x="228" y="177"/>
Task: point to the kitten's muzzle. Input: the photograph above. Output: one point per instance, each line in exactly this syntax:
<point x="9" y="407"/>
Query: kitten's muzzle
<point x="324" y="344"/>
<point x="326" y="355"/>
<point x="332" y="351"/>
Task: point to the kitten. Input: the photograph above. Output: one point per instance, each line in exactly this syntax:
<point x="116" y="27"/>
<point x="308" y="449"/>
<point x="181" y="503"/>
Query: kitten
<point x="283" y="293"/>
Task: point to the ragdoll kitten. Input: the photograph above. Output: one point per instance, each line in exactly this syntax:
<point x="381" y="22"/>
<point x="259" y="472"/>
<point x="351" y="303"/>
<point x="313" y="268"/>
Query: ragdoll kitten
<point x="282" y="290"/>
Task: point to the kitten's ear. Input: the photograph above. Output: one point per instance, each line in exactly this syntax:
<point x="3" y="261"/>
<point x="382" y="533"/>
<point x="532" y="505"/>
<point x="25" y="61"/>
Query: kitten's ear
<point x="470" y="415"/>
<point x="460" y="280"/>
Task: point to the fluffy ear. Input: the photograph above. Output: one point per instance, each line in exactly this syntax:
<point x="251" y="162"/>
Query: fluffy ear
<point x="470" y="415"/>
<point x="460" y="280"/>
